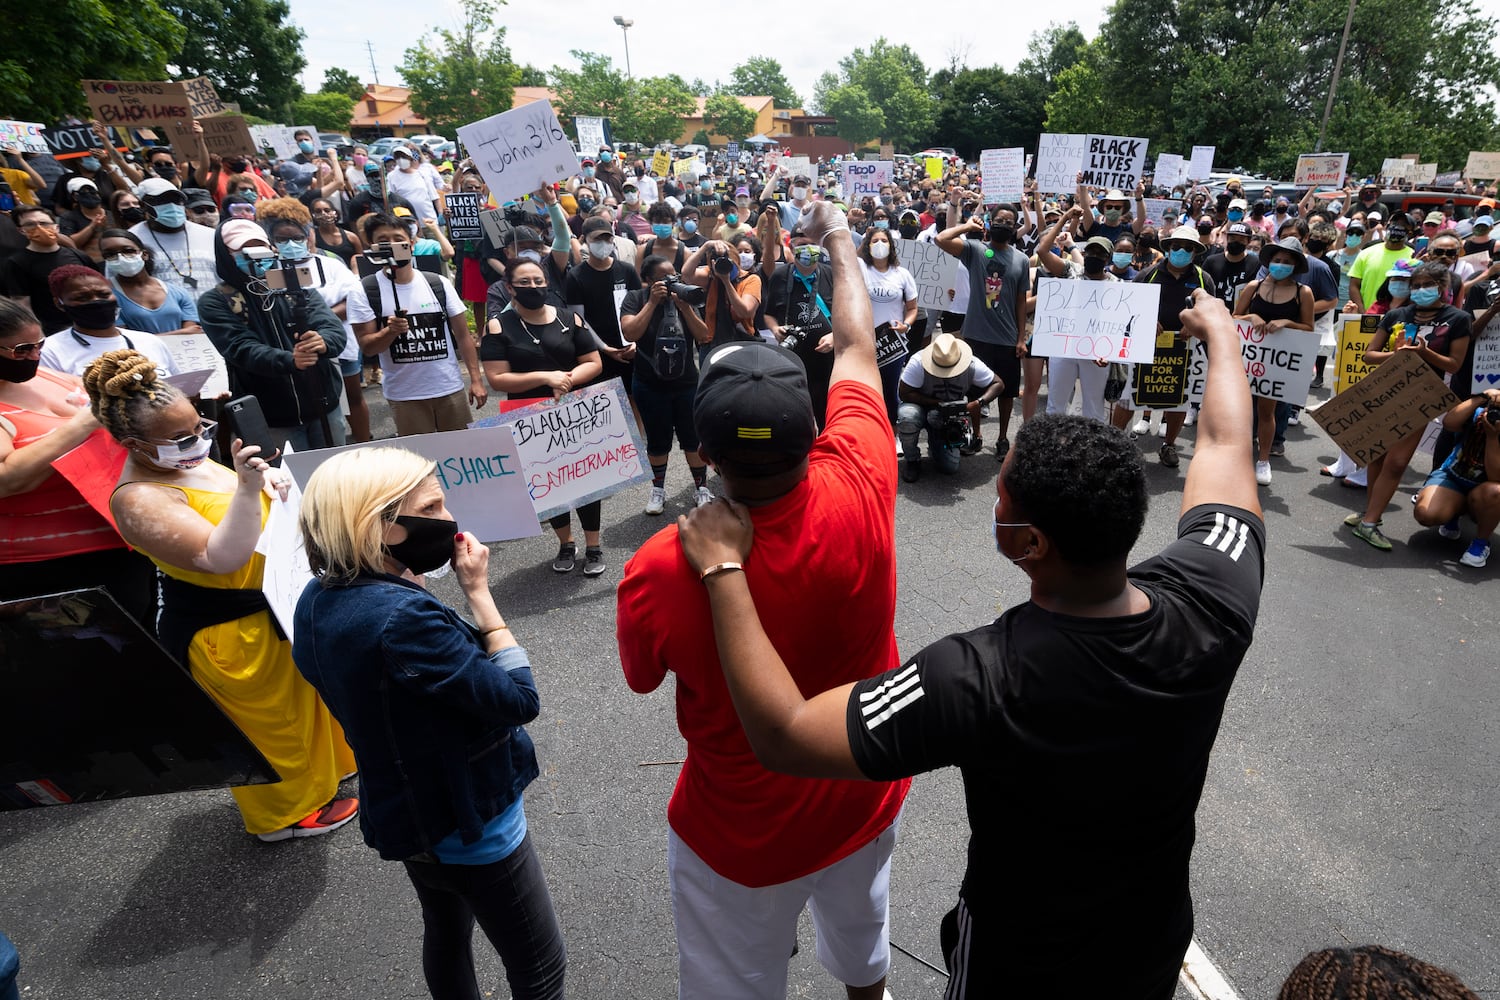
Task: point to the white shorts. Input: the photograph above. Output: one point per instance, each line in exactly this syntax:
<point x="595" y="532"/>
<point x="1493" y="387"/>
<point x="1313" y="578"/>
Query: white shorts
<point x="734" y="942"/>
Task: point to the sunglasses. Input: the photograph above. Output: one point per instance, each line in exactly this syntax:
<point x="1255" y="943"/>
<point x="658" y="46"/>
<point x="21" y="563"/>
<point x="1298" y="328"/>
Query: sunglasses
<point x="1451" y="254"/>
<point x="205" y="431"/>
<point x="24" y="350"/>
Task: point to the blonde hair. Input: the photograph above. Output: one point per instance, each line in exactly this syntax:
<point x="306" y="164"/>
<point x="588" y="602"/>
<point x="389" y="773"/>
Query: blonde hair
<point x="274" y="210"/>
<point x="124" y="388"/>
<point x="346" y="504"/>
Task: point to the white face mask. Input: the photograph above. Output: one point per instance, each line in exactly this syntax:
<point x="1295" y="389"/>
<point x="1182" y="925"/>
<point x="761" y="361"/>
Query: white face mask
<point x="171" y="456"/>
<point x="799" y="193"/>
<point x="127" y="265"/>
<point x="747" y="261"/>
<point x="880" y="251"/>
<point x="600" y="250"/>
<point x="631" y="197"/>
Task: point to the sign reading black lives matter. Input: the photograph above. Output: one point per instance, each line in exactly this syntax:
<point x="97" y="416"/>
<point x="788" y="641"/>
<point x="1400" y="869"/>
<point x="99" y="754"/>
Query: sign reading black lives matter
<point x="1105" y="161"/>
<point x="463" y="215"/>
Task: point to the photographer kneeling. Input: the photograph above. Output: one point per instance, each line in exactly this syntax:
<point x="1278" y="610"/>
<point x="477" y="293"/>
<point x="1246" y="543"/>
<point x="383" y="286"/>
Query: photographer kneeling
<point x="933" y="386"/>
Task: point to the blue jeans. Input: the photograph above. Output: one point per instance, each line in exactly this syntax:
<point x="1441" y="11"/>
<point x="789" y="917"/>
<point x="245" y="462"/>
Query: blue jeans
<point x="10" y="967"/>
<point x="910" y="419"/>
<point x="309" y="436"/>
<point x="510" y="900"/>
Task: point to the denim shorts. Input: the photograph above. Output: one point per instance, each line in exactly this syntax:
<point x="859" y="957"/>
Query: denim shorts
<point x="348" y="368"/>
<point x="1448" y="481"/>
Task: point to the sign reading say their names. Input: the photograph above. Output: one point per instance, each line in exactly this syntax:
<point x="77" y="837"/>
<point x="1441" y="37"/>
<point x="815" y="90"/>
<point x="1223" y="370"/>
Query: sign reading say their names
<point x="1003" y="174"/>
<point x="520" y="150"/>
<point x="479" y="469"/>
<point x="577" y="449"/>
<point x="936" y="272"/>
<point x="1395" y="400"/>
<point x="1279" y="365"/>
<point x="1321" y="169"/>
<point x="1079" y="318"/>
<point x="866" y="178"/>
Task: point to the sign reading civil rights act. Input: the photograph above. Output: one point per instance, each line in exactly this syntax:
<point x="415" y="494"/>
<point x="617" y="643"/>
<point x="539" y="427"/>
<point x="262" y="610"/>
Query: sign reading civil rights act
<point x="936" y="272"/>
<point x="1321" y="169"/>
<point x="520" y="150"/>
<point x="866" y="178"/>
<point x="577" y="449"/>
<point x="1106" y="161"/>
<point x="1279" y="365"/>
<point x="1396" y="399"/>
<point x="1109" y="320"/>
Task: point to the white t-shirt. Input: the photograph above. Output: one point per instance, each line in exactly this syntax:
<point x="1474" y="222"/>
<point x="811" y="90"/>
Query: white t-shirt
<point x="72" y="352"/>
<point x="339" y="284"/>
<point x="888" y="292"/>
<point x="184" y="258"/>
<point x="422" y="364"/>
<point x="646" y="185"/>
<point x="416" y="189"/>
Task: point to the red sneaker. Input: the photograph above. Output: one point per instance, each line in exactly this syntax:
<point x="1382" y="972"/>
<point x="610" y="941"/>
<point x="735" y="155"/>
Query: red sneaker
<point x="325" y="820"/>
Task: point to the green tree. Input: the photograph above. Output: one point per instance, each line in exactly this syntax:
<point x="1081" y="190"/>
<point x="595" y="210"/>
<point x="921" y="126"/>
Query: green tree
<point x="859" y="119"/>
<point x="464" y="75"/>
<point x="531" y="76"/>
<point x="986" y="108"/>
<point x="252" y="54"/>
<point x="341" y="81"/>
<point x="81" y="39"/>
<point x="1052" y="50"/>
<point x="594" y="88"/>
<point x="1078" y="101"/>
<point x="648" y="110"/>
<point x="890" y="79"/>
<point x="324" y="112"/>
<point x="702" y="138"/>
<point x="728" y="116"/>
<point x="655" y="111"/>
<point x="762" y="75"/>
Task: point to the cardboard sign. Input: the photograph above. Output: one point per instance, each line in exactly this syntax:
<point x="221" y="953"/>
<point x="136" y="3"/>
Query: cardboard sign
<point x="1394" y="401"/>
<point x="1440" y="180"/>
<point x="1157" y="208"/>
<point x="797" y="166"/>
<point x="68" y="142"/>
<point x="577" y="449"/>
<point x="890" y="345"/>
<point x="1059" y="157"/>
<point x="1486" y="362"/>
<point x="1171" y="171"/>
<point x="1321" y="169"/>
<point x="1354" y="334"/>
<point x="134" y="103"/>
<point x="1201" y="165"/>
<point x="1395" y="168"/>
<point x="1482" y="166"/>
<point x="936" y="272"/>
<point x="1079" y="318"/>
<point x="686" y="165"/>
<point x="1162" y="384"/>
<point x="519" y="150"/>
<point x="203" y="98"/>
<point x="1426" y="173"/>
<point x="195" y="352"/>
<point x="861" y="179"/>
<point x="225" y="135"/>
<point x="661" y="163"/>
<point x="28" y="137"/>
<point x="1003" y="174"/>
<point x="479" y="470"/>
<point x="1279" y="366"/>
<point x="590" y="134"/>
<point x="462" y="208"/>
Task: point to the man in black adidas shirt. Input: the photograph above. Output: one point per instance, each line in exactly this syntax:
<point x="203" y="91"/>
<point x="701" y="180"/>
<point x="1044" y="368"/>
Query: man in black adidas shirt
<point x="1081" y="720"/>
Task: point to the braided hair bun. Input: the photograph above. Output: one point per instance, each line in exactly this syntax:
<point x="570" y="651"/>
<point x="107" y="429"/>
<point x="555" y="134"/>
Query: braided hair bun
<point x="122" y="387"/>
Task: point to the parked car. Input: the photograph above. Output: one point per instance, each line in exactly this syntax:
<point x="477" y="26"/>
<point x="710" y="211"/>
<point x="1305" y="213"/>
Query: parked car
<point x="1425" y="200"/>
<point x="426" y="140"/>
<point x="382" y="147"/>
<point x="335" y="140"/>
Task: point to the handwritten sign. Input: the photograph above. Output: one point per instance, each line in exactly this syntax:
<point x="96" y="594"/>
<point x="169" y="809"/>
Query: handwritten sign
<point x="1201" y="165"/>
<point x="195" y="352"/>
<point x="796" y="166"/>
<point x="1354" y="335"/>
<point x="203" y="98"/>
<point x="578" y="449"/>
<point x="28" y="137"/>
<point x="1486" y="361"/>
<point x="1394" y="401"/>
<point x="936" y="272"/>
<point x="890" y="345"/>
<point x="590" y="134"/>
<point x="463" y="215"/>
<point x="1059" y="157"/>
<point x="686" y="165"/>
<point x="1078" y="318"/>
<point x="1482" y="166"/>
<point x="224" y="135"/>
<point x="276" y="138"/>
<point x="860" y="179"/>
<point x="519" y="150"/>
<point x="1114" y="161"/>
<point x="1396" y="168"/>
<point x="1321" y="169"/>
<point x="1157" y="210"/>
<point x="133" y="103"/>
<point x="480" y="471"/>
<point x="1003" y="175"/>
<point x="1278" y="365"/>
<point x="1171" y="171"/>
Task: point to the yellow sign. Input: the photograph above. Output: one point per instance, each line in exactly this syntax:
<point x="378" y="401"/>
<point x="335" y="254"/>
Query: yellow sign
<point x="661" y="164"/>
<point x="1354" y="339"/>
<point x="935" y="167"/>
<point x="686" y="165"/>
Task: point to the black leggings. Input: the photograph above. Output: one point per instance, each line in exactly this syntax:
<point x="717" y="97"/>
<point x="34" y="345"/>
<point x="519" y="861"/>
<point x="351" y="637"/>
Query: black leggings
<point x="589" y="516"/>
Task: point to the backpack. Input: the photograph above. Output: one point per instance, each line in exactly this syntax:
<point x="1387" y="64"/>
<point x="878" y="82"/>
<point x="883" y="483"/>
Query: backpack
<point x="669" y="358"/>
<point x="371" y="285"/>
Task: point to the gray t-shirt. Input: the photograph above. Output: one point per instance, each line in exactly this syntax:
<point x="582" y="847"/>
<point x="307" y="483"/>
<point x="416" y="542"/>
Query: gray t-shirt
<point x="994" y="283"/>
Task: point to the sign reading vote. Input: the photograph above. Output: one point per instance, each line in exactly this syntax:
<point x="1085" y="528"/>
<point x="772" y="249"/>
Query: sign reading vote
<point x="866" y="178"/>
<point x="68" y="142"/>
<point x="936" y="272"/>
<point x="520" y="150"/>
<point x="479" y="470"/>
<point x="463" y="215"/>
<point x="1109" y="320"/>
<point x="1321" y="169"/>
<point x="1279" y="365"/>
<point x="1396" y="400"/>
<point x="577" y="449"/>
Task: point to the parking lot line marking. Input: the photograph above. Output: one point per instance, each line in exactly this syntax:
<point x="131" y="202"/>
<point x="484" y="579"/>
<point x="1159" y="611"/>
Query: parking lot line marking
<point x="1202" y="978"/>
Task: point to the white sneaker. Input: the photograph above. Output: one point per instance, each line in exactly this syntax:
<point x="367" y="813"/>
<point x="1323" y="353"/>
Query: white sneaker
<point x="1263" y="473"/>
<point x="1141" y="427"/>
<point x="1191" y="418"/>
<point x="702" y="496"/>
<point x="1294" y="420"/>
<point x="898" y="448"/>
<point x="658" y="501"/>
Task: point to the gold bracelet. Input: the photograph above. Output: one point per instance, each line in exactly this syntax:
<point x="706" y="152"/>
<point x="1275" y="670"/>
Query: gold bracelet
<point x="723" y="567"/>
<point x="492" y="631"/>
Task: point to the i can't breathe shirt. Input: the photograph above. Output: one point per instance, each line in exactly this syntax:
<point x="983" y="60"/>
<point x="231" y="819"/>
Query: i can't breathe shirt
<point x="421" y="364"/>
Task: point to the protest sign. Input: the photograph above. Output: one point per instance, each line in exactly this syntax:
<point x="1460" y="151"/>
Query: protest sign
<point x="934" y="167"/>
<point x="1170" y="171"/>
<point x="590" y="134"/>
<point x="93" y="469"/>
<point x="191" y="383"/>
<point x="1434" y="178"/>
<point x="276" y="138"/>
<point x="195" y="352"/>
<point x="287" y="572"/>
<point x="1078" y="318"/>
<point x="68" y="142"/>
<point x="24" y="136"/>
<point x="202" y="97"/>
<point x="1201" y="165"/>
<point x="1156" y="208"/>
<point x="890" y="345"/>
<point x="661" y="163"/>
<point x="797" y="166"/>
<point x="686" y="165"/>
<point x="1395" y="168"/>
<point x="1059" y="157"/>
<point x="1003" y="175"/>
<point x="1114" y="161"/>
<point x="1321" y="169"/>
<point x="1279" y="365"/>
<point x="1396" y="399"/>
<point x="136" y="103"/>
<point x="463" y="215"/>
<point x="1482" y="166"/>
<point x="577" y="449"/>
<point x="1354" y="333"/>
<point x="936" y="272"/>
<point x="860" y="179"/>
<point x="1162" y="384"/>
<point x="520" y="150"/>
<point x="1486" y="362"/>
<point x="223" y="135"/>
<point x="479" y="470"/>
<point x="732" y="151"/>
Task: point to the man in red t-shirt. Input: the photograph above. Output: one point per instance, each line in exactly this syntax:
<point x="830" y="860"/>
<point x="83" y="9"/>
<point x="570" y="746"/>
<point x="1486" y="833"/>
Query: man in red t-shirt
<point x="748" y="849"/>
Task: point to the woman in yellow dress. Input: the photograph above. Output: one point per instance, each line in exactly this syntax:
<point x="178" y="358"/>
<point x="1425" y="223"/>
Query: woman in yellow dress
<point x="198" y="522"/>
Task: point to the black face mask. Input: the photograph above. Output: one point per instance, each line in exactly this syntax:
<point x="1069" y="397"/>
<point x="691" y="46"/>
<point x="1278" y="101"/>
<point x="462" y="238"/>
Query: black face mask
<point x="89" y="198"/>
<point x="586" y="205"/>
<point x="1002" y="233"/>
<point x="1396" y="236"/>
<point x="428" y="544"/>
<point x="909" y="230"/>
<point x="99" y="315"/>
<point x="166" y="171"/>
<point x="18" y="369"/>
<point x="133" y="214"/>
<point x="1235" y="249"/>
<point x="1094" y="265"/>
<point x="529" y="298"/>
<point x="1316" y="246"/>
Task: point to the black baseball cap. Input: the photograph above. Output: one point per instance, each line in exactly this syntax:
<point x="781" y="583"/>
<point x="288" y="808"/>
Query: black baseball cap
<point x="753" y="397"/>
<point x="1237" y="229"/>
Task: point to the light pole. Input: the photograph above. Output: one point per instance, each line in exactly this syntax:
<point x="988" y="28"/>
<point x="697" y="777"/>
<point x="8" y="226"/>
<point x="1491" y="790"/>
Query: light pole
<point x="625" y="24"/>
<point x="1333" y="86"/>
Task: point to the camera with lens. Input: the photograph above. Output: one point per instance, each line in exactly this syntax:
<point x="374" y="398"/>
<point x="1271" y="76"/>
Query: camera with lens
<point x="955" y="421"/>
<point x="1492" y="415"/>
<point x="791" y="336"/>
<point x="722" y="264"/>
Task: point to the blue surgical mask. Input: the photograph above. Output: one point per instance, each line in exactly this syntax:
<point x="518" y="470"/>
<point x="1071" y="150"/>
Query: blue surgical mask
<point x="690" y="226"/>
<point x="1398" y="287"/>
<point x="882" y="223"/>
<point x="606" y="157"/>
<point x="254" y="268"/>
<point x="89" y="164"/>
<point x="1179" y="258"/>
<point x="292" y="249"/>
<point x="661" y="230"/>
<point x="588" y="171"/>
<point x="1122" y="260"/>
<point x="171" y="216"/>
<point x="1280" y="272"/>
<point x="1425" y="296"/>
<point x="1235" y="214"/>
<point x="706" y="186"/>
<point x="1354" y="239"/>
<point x="305" y="146"/>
